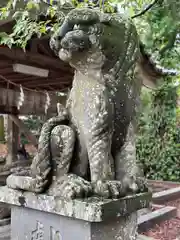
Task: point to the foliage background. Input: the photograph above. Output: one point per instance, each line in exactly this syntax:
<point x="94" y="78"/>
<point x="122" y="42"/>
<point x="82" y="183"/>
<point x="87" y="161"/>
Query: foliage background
<point x="158" y="141"/>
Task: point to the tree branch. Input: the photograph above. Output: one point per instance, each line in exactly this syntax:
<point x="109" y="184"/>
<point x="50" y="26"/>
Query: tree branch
<point x="44" y="1"/>
<point x="146" y="9"/>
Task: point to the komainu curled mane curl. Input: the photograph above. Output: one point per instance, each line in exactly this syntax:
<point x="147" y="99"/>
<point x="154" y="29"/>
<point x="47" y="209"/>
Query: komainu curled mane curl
<point x="89" y="149"/>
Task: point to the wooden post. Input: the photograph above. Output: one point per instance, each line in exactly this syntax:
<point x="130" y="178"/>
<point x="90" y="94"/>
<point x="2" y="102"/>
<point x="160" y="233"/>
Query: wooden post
<point x="2" y="137"/>
<point x="12" y="141"/>
<point x="24" y="129"/>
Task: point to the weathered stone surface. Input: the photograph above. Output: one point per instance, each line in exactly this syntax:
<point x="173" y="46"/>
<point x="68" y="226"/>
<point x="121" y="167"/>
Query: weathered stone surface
<point x="143" y="237"/>
<point x="89" y="148"/>
<point x="5" y="171"/>
<point x="149" y="220"/>
<point x="37" y="225"/>
<point x="5" y="210"/>
<point x="5" y="232"/>
<point x="90" y="209"/>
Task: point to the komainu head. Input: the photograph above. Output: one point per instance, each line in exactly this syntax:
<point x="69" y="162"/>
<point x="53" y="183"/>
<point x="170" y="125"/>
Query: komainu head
<point x="92" y="37"/>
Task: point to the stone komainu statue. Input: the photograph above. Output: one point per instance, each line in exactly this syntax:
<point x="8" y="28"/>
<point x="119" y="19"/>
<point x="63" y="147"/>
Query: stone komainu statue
<point x="89" y="148"/>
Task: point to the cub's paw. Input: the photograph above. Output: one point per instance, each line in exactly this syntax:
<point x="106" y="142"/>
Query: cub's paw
<point x="109" y="189"/>
<point x="23" y="180"/>
<point x="142" y="185"/>
<point x="135" y="184"/>
<point x="70" y="186"/>
<point x="26" y="183"/>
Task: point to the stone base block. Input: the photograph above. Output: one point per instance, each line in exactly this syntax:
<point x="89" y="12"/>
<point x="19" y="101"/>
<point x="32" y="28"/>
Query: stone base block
<point x="5" y="232"/>
<point x="36" y="225"/>
<point x="42" y="217"/>
<point x="5" y="221"/>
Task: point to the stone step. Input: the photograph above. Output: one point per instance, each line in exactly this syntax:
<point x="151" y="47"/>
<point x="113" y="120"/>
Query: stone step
<point x="148" y="220"/>
<point x="167" y="195"/>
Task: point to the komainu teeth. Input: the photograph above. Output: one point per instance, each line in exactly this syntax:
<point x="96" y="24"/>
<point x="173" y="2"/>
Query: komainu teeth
<point x="76" y="27"/>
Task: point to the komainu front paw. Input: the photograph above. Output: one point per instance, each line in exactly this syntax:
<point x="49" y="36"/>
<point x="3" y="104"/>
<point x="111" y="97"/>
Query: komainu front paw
<point x="117" y="189"/>
<point x="70" y="186"/>
<point x="109" y="189"/>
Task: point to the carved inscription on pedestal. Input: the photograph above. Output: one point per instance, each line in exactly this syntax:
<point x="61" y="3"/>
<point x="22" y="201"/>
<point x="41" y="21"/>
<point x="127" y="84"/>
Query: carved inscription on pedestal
<point x="38" y="233"/>
<point x="55" y="235"/>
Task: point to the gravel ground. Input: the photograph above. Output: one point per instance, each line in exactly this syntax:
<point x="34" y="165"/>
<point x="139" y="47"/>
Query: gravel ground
<point x="176" y="204"/>
<point x="168" y="230"/>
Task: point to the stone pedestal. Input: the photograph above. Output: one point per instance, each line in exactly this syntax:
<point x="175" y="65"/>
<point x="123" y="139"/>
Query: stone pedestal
<point x="42" y="217"/>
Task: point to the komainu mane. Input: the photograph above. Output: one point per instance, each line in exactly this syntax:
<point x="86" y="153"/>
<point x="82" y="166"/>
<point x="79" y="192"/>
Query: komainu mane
<point x="89" y="148"/>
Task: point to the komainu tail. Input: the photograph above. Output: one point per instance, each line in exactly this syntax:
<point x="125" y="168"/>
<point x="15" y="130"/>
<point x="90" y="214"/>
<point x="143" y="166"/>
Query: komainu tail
<point x="149" y="72"/>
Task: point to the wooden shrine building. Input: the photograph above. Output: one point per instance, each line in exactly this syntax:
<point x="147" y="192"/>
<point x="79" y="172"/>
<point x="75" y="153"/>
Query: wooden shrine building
<point x="36" y="74"/>
<point x="29" y="82"/>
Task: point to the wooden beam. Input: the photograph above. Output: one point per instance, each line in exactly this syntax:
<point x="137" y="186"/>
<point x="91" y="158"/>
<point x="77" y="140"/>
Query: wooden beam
<point x="34" y="46"/>
<point x="30" y="70"/>
<point x="5" y="21"/>
<point x="22" y="80"/>
<point x="25" y="130"/>
<point x="16" y="54"/>
<point x="6" y="25"/>
<point x="44" y="50"/>
<point x="47" y="82"/>
<point x="2" y="135"/>
<point x="15" y="77"/>
<point x="6" y="69"/>
<point x="4" y="109"/>
<point x="12" y="141"/>
<point x="10" y="73"/>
